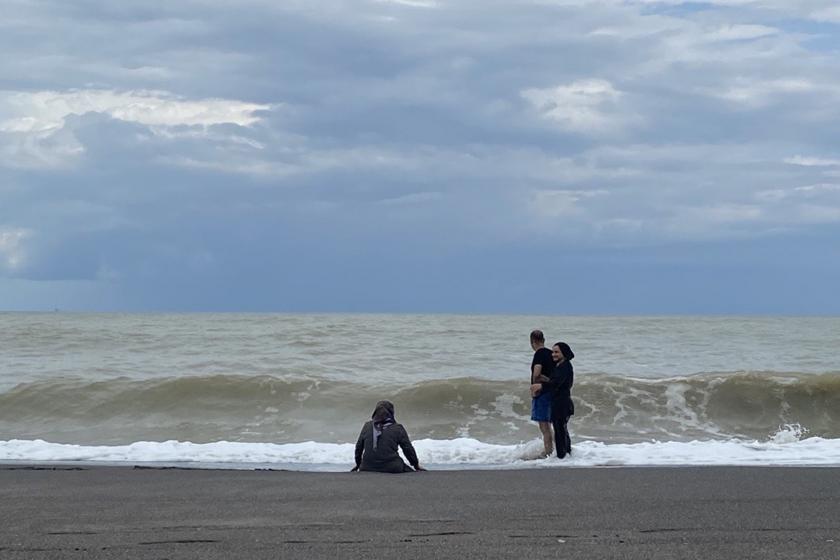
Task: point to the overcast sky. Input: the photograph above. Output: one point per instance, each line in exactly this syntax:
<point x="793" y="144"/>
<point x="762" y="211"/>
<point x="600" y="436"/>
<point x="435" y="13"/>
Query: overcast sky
<point x="524" y="156"/>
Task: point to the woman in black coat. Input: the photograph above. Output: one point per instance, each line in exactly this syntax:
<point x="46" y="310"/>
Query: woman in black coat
<point x="376" y="448"/>
<point x="559" y="384"/>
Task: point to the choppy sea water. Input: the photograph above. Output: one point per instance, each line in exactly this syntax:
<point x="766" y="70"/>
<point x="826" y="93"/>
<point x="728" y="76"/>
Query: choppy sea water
<point x="292" y="391"/>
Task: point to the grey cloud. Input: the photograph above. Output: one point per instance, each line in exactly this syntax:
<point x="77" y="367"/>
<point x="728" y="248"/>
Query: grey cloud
<point x="391" y="129"/>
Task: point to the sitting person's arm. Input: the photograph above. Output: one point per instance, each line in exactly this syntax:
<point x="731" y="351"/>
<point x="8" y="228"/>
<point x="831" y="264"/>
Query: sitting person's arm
<point x="360" y="446"/>
<point x="408" y="450"/>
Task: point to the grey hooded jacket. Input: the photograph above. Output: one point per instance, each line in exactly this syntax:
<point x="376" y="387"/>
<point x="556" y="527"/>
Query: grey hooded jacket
<point x="384" y="457"/>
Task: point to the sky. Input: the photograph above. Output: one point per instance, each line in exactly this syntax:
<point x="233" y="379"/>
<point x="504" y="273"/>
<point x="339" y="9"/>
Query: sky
<point x="430" y="156"/>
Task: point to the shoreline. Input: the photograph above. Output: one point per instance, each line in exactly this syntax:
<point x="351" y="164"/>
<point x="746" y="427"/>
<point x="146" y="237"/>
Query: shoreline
<point x="330" y="468"/>
<point x="79" y="511"/>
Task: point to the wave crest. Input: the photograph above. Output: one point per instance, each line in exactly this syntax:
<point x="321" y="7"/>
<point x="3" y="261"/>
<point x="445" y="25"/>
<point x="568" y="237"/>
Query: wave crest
<point x="265" y="408"/>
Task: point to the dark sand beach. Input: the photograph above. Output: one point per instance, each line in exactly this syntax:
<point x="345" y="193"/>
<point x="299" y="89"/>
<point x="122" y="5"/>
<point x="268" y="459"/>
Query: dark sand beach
<point x="707" y="512"/>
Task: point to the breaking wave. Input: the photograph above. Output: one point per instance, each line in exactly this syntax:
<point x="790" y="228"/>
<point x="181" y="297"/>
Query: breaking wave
<point x="260" y="409"/>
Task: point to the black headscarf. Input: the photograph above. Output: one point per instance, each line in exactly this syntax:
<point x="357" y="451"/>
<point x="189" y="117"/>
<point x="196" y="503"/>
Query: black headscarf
<point x="566" y="350"/>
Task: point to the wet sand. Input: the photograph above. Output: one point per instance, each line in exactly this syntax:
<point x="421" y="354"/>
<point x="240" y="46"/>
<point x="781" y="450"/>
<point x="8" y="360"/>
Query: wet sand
<point x="706" y="512"/>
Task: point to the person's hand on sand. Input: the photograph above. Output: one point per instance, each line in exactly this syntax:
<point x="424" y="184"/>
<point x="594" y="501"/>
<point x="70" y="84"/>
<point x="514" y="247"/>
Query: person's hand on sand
<point x="419" y="468"/>
<point x="535" y="389"/>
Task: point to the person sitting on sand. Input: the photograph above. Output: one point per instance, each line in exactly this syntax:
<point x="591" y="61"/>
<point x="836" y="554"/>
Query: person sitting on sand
<point x="559" y="386"/>
<point x="376" y="449"/>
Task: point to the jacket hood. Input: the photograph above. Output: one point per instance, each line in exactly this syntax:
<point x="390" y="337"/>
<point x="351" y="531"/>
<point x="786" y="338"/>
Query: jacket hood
<point x="383" y="412"/>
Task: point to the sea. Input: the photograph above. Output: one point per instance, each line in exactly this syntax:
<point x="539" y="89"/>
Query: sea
<point x="291" y="391"/>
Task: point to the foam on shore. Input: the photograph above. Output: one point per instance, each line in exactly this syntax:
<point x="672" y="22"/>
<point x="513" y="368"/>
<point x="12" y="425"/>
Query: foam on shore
<point x="784" y="448"/>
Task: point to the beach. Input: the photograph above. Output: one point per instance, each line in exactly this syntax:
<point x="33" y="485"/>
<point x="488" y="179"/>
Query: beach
<point x="88" y="511"/>
<point x="207" y="436"/>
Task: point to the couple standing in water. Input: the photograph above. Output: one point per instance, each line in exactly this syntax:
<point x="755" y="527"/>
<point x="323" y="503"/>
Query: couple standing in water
<point x="552" y="377"/>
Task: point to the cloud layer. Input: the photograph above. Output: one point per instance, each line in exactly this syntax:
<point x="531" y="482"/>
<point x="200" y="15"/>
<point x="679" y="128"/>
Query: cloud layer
<point x="419" y="155"/>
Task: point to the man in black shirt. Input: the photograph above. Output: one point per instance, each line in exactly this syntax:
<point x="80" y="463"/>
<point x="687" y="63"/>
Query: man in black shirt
<point x="541" y="367"/>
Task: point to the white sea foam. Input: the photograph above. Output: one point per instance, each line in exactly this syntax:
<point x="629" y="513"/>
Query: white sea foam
<point x="784" y="448"/>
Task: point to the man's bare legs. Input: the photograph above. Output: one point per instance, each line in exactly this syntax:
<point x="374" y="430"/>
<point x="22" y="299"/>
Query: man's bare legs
<point x="548" y="438"/>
